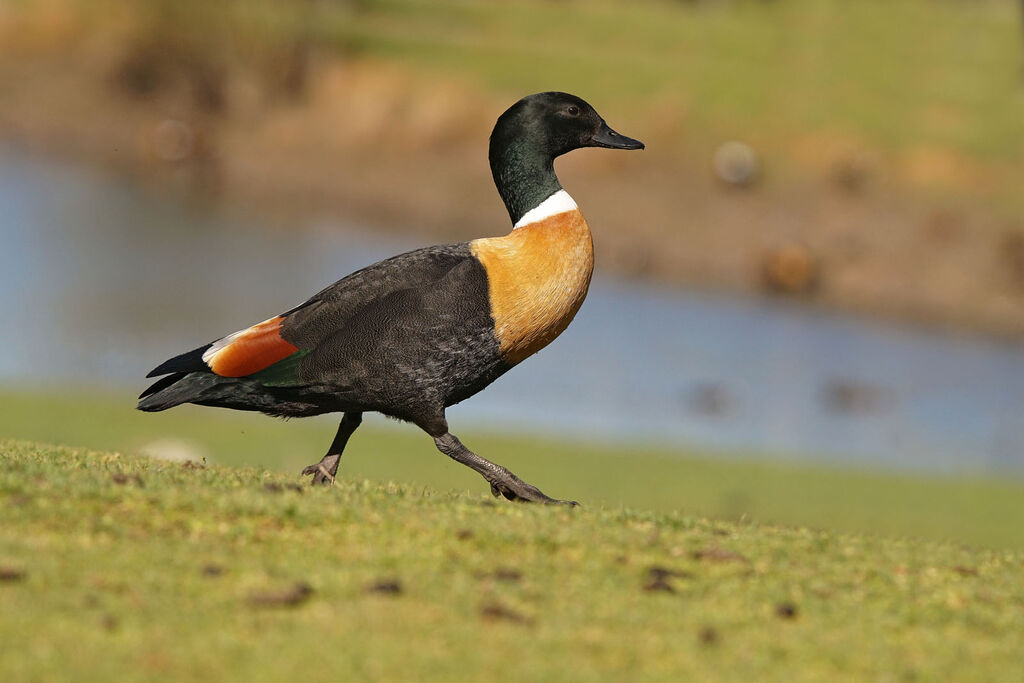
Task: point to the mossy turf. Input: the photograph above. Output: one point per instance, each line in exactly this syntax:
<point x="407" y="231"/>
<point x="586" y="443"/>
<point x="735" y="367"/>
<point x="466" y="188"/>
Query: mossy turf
<point x="116" y="567"/>
<point x="979" y="510"/>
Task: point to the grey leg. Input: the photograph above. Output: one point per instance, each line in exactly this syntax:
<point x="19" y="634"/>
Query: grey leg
<point x="323" y="472"/>
<point x="501" y="480"/>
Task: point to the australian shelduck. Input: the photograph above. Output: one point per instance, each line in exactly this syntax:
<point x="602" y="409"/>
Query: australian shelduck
<point x="418" y="332"/>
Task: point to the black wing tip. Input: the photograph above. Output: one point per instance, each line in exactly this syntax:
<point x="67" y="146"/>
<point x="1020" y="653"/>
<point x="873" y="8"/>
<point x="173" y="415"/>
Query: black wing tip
<point x="161" y="384"/>
<point x="190" y="361"/>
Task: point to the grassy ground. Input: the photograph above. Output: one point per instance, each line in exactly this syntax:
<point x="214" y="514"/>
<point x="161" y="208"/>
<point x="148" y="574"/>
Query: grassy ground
<point x="113" y="567"/>
<point x="975" y="510"/>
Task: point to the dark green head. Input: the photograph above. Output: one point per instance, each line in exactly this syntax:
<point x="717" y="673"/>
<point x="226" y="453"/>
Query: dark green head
<point x="531" y="133"/>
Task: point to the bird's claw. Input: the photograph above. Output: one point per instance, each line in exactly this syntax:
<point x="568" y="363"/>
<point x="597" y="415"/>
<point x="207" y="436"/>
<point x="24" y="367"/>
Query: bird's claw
<point x="515" y="489"/>
<point x="323" y="472"/>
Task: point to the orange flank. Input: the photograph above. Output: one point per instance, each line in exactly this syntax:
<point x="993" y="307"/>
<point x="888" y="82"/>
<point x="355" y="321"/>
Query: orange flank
<point x="538" y="276"/>
<point x="249" y="351"/>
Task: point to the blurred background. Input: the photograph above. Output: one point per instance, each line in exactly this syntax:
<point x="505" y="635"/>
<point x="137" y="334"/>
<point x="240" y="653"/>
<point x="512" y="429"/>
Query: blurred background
<point x="816" y="266"/>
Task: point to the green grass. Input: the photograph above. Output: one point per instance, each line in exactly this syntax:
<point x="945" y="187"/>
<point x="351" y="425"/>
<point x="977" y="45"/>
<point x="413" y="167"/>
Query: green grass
<point x="119" y="568"/>
<point x="976" y="510"/>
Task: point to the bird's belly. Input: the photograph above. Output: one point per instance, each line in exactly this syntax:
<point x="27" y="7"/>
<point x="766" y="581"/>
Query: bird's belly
<point x="539" y="315"/>
<point x="404" y="370"/>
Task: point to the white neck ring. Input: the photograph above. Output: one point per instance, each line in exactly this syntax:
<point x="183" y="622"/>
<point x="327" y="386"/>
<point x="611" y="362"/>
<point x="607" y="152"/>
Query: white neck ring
<point x="559" y="202"/>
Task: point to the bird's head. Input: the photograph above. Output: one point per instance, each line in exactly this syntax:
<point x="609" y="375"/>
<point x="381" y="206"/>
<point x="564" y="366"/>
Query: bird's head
<point x="553" y="123"/>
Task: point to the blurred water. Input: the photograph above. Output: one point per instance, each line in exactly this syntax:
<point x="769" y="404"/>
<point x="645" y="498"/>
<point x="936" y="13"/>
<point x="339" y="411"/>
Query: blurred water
<point x="100" y="281"/>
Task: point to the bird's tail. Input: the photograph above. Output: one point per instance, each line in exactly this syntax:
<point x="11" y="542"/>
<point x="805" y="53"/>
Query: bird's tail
<point x="178" y="388"/>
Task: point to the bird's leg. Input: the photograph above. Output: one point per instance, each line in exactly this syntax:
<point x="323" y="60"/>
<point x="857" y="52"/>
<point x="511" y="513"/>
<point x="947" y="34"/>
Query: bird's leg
<point x="323" y="472"/>
<point x="502" y="481"/>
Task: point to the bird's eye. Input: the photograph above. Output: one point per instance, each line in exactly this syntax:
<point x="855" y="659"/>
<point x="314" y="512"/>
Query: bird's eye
<point x="573" y="110"/>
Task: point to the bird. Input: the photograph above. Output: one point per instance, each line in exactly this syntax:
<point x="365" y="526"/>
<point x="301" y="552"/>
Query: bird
<point x="413" y="334"/>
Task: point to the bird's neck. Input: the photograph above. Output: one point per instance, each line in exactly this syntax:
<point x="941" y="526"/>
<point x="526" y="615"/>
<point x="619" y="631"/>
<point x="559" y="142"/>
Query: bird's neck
<point x="525" y="177"/>
<point x="559" y="202"/>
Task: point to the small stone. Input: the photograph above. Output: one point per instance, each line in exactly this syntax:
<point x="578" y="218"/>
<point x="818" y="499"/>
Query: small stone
<point x="11" y="574"/>
<point x="289" y="597"/>
<point x="658" y="578"/>
<point x="659" y="584"/>
<point x="385" y="587"/>
<point x="708" y="635"/>
<point x="786" y="610"/>
<point x="495" y="611"/>
<point x="507" y="574"/>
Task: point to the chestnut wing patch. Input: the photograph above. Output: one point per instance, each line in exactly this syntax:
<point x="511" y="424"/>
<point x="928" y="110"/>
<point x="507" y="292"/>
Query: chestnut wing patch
<point x="249" y="351"/>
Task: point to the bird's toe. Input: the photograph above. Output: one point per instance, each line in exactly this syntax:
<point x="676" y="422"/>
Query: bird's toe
<point x="323" y="471"/>
<point x="516" y="489"/>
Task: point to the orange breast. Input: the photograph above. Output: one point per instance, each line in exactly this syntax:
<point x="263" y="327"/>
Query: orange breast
<point x="538" y="276"/>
